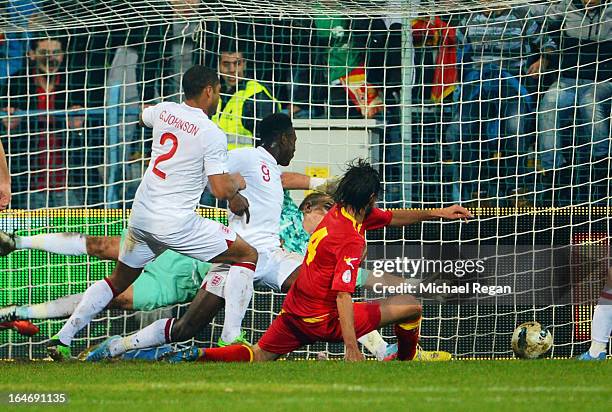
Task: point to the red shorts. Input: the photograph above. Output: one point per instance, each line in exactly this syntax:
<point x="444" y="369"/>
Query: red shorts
<point x="289" y="332"/>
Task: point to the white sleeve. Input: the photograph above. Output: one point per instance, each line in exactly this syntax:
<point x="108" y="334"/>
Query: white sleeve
<point x="149" y="114"/>
<point x="215" y="152"/>
<point x="236" y="161"/>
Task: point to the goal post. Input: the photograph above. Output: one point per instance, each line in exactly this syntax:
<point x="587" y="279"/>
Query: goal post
<point x="501" y="106"/>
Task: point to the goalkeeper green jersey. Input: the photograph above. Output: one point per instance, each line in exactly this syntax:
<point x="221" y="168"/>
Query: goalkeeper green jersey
<point x="170" y="279"/>
<point x="292" y="234"/>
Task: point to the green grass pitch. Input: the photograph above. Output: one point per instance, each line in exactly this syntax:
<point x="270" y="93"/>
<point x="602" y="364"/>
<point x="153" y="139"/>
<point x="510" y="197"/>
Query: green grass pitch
<point x="555" y="385"/>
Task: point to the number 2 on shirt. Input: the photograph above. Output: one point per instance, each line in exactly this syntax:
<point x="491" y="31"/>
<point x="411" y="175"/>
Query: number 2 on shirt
<point x="163" y="157"/>
<point x="313" y="243"/>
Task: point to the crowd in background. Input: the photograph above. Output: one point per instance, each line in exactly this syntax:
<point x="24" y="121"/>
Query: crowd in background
<point x="522" y="95"/>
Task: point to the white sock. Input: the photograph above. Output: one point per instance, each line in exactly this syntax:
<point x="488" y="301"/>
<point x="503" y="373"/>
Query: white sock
<point x="151" y="336"/>
<point x="374" y="342"/>
<point x="601" y="326"/>
<point x="238" y="293"/>
<point x="95" y="299"/>
<point x="59" y="308"/>
<point x="597" y="348"/>
<point x="72" y="244"/>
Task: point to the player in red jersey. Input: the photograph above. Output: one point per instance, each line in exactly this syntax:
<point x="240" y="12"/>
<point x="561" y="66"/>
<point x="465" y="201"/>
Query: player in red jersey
<point x="319" y="305"/>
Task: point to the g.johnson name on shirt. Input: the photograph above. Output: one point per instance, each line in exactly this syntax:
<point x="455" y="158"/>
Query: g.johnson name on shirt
<point x="179" y="123"/>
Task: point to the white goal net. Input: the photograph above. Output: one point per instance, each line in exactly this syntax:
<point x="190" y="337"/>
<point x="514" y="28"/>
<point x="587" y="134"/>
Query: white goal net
<point x="501" y="106"/>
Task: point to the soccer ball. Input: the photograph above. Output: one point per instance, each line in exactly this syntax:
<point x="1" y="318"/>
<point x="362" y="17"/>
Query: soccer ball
<point x="530" y="340"/>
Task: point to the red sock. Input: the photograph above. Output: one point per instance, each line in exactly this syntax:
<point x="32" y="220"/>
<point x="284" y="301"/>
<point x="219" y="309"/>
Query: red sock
<point x="407" y="339"/>
<point x="232" y="353"/>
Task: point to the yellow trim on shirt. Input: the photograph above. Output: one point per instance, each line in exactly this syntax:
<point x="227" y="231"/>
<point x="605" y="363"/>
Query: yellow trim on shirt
<point x="346" y="214"/>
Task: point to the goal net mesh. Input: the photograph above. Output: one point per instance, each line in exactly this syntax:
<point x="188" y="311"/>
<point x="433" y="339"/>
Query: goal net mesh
<point x="503" y="107"/>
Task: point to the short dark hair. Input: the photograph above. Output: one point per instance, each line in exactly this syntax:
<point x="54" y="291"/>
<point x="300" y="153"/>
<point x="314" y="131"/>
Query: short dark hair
<point x="231" y="46"/>
<point x="272" y="127"/>
<point x="197" y="78"/>
<point x="358" y="184"/>
<point x="35" y="41"/>
<point x="314" y="199"/>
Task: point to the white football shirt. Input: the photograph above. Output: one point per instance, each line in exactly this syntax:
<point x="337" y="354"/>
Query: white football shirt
<point x="187" y="148"/>
<point x="264" y="192"/>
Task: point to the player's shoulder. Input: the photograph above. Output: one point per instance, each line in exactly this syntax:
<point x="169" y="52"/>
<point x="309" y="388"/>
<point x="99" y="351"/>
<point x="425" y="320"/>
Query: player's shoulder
<point x="164" y="106"/>
<point x="192" y="114"/>
<point x="378" y="213"/>
<point x="249" y="152"/>
<point x="336" y="224"/>
<point x="243" y="156"/>
<point x="210" y="133"/>
<point x="340" y="235"/>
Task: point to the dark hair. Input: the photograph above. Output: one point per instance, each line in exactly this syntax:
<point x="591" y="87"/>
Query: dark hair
<point x="231" y="46"/>
<point x="272" y="127"/>
<point x="314" y="199"/>
<point x="196" y="79"/>
<point x="36" y="40"/>
<point x="358" y="184"/>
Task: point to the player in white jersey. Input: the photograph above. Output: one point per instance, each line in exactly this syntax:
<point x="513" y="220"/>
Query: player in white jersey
<point x="260" y="169"/>
<point x="276" y="268"/>
<point x="188" y="151"/>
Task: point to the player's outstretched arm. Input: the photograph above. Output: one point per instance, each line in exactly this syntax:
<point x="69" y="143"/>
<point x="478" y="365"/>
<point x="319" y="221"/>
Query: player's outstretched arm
<point x="299" y="181"/>
<point x="226" y="187"/>
<point x="344" y="302"/>
<point x="408" y="217"/>
<point x="141" y="117"/>
<point x="295" y="181"/>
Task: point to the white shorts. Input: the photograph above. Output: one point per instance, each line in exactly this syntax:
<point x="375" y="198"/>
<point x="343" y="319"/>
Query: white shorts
<point x="273" y="268"/>
<point x="200" y="238"/>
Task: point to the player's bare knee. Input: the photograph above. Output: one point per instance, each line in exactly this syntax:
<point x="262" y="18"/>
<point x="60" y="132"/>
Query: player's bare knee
<point x="239" y="251"/>
<point x="417" y="310"/>
<point x="103" y="247"/>
<point x="411" y="308"/>
<point x="94" y="245"/>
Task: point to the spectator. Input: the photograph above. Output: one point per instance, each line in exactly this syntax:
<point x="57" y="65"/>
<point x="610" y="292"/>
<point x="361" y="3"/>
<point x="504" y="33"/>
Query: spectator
<point x="582" y="93"/>
<point x="39" y="148"/>
<point x="490" y="132"/>
<point x="243" y="102"/>
<point x="336" y="58"/>
<point x="351" y="68"/>
<point x="182" y="45"/>
<point x="14" y="46"/>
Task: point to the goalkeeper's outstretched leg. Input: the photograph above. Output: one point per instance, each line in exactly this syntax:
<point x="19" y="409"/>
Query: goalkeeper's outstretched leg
<point x="69" y="244"/>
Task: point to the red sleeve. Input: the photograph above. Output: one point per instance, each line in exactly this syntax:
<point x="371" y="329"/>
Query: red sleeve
<point x="348" y="259"/>
<point x="377" y="218"/>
